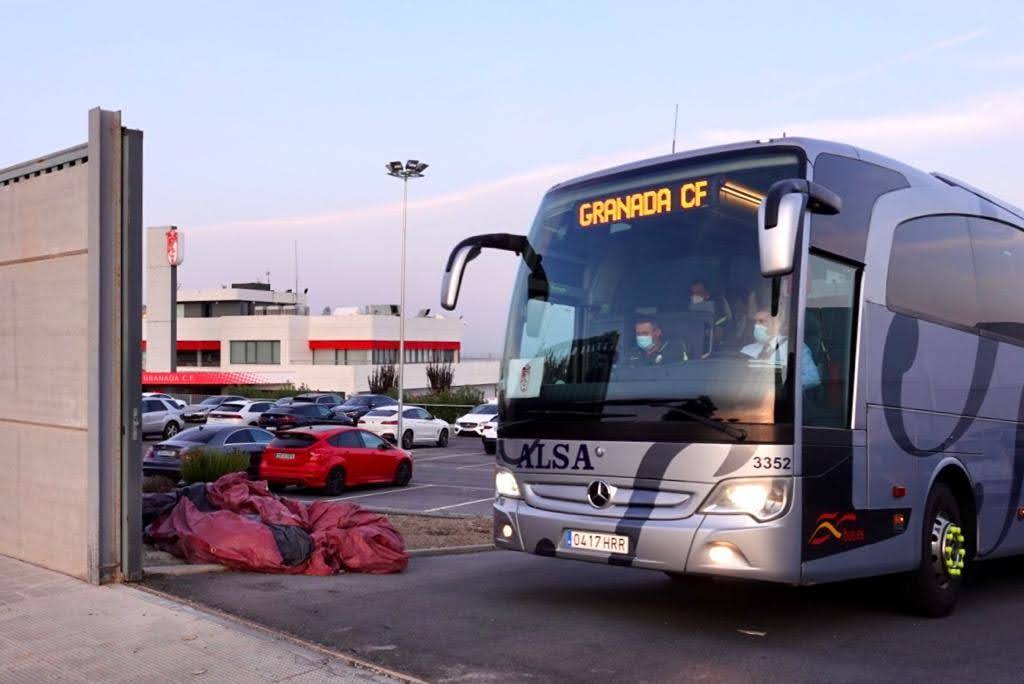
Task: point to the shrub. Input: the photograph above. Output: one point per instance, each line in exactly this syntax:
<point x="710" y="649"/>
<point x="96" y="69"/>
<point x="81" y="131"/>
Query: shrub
<point x="440" y="376"/>
<point x="450" y="404"/>
<point x="383" y="379"/>
<point x="208" y="465"/>
<point x="271" y="394"/>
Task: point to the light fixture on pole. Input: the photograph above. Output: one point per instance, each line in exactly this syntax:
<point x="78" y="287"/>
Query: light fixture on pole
<point x="412" y="169"/>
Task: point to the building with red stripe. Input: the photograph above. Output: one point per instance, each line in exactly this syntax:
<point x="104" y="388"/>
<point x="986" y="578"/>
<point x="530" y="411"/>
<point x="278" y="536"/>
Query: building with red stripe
<point x="250" y="335"/>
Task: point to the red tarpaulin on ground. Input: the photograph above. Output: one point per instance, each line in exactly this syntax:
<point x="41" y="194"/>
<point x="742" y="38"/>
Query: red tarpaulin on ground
<point x="240" y="532"/>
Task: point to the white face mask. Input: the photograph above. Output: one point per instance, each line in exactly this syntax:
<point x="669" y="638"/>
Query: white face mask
<point x="645" y="342"/>
<point x="761" y="333"/>
<point x="696" y="298"/>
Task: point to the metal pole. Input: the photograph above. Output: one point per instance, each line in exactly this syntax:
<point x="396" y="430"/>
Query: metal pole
<point x="401" y="319"/>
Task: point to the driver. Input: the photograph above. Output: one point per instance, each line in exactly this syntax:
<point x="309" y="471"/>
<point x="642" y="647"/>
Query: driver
<point x="769" y="345"/>
<point x="652" y="348"/>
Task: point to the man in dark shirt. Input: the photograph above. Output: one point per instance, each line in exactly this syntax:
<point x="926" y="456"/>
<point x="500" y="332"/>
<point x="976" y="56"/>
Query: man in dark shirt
<point x="652" y="348"/>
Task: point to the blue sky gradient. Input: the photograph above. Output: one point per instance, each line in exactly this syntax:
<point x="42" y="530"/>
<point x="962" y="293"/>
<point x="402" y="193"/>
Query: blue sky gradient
<point x="267" y="123"/>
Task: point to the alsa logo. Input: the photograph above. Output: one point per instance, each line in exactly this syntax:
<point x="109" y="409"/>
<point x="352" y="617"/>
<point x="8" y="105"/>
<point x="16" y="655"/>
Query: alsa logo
<point x="836" y="527"/>
<point x="560" y="456"/>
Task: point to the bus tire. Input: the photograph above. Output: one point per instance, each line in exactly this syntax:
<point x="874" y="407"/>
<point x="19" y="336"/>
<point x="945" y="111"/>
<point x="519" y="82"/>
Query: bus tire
<point x="935" y="586"/>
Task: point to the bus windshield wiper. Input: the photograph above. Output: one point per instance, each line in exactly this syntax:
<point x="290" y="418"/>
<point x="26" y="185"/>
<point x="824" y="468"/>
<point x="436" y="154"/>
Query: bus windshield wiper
<point x="737" y="433"/>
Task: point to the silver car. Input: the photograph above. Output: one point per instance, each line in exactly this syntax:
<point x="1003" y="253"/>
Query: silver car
<point x="160" y="417"/>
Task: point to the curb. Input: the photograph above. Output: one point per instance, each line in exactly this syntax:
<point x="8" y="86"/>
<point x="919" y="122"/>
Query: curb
<point x="225" y="616"/>
<point x="450" y="550"/>
<point x="183" y="569"/>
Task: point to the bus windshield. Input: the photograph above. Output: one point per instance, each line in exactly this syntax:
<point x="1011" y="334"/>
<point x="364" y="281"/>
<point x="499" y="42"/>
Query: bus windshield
<point x="656" y="319"/>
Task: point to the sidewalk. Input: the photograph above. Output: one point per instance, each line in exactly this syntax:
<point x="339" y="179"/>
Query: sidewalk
<point x="55" y="628"/>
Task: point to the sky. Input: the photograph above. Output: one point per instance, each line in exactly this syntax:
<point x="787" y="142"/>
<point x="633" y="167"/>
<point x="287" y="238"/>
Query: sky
<point x="268" y="125"/>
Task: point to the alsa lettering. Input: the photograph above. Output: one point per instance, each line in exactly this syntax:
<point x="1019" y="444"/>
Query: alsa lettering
<point x="541" y="456"/>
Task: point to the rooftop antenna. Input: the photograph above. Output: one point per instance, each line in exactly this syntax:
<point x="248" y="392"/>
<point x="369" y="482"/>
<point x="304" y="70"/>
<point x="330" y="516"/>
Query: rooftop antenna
<point x="268" y="277"/>
<point x="296" y="290"/>
<point x="675" y="125"/>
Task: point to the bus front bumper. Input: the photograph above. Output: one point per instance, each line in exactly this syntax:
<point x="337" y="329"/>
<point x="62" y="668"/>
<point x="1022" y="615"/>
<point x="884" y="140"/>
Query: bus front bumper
<point x="726" y="545"/>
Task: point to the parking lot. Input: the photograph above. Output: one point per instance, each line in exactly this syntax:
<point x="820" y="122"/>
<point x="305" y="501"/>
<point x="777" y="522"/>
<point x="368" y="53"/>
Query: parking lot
<point x="454" y="480"/>
<point x="500" y="617"/>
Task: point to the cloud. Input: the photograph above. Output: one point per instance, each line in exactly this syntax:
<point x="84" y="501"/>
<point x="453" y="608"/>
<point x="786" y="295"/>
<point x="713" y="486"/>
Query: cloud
<point x="886" y="64"/>
<point x="985" y="117"/>
<point x="533" y="178"/>
<point x="1010" y="62"/>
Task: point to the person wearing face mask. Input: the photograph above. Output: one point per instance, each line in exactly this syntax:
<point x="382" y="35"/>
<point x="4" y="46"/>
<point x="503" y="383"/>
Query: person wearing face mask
<point x="718" y="307"/>
<point x="651" y="346"/>
<point x="769" y="345"/>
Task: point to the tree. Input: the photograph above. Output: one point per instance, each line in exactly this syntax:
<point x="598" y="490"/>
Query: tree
<point x="383" y="379"/>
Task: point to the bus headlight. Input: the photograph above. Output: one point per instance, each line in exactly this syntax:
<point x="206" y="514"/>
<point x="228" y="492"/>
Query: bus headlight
<point x="762" y="498"/>
<point x="505" y="483"/>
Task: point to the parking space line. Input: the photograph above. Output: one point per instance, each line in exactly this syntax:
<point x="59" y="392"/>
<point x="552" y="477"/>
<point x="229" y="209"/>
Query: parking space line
<point x="424" y="459"/>
<point x="476" y="465"/>
<point x="389" y="491"/>
<point x="464" y="503"/>
<point x="482" y="489"/>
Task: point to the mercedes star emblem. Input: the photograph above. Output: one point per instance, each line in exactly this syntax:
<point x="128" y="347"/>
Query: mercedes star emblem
<point x="599" y="493"/>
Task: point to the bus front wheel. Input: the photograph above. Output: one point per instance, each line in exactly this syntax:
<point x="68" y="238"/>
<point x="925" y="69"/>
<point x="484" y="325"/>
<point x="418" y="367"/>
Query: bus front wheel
<point x="935" y="585"/>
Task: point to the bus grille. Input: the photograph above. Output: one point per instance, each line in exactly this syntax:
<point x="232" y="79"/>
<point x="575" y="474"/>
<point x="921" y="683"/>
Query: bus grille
<point x="627" y="502"/>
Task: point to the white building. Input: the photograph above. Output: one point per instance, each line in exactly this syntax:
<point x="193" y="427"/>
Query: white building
<point x="249" y="334"/>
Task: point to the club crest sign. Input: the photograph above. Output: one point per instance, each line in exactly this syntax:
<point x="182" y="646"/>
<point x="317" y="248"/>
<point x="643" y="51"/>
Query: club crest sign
<point x="175" y="253"/>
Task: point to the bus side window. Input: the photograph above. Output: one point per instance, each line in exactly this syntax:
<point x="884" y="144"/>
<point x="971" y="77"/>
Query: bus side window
<point x="828" y="337"/>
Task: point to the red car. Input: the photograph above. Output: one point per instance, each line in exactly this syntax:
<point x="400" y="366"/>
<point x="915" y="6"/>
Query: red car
<point x="331" y="458"/>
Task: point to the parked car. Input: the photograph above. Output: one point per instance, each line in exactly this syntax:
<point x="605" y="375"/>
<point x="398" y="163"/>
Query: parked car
<point x="238" y="413"/>
<point x="285" y="401"/>
<point x="489" y="436"/>
<point x="160" y="395"/>
<point x="333" y="458"/>
<point x="472" y="423"/>
<point x="300" y="415"/>
<point x="320" y="398"/>
<point x="197" y="413"/>
<point x="165" y="458"/>
<point x="160" y="417"/>
<point x="357" y="406"/>
<point x="419" y="427"/>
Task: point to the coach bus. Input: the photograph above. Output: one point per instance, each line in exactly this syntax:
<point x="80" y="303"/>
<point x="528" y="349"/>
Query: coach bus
<point x="787" y="360"/>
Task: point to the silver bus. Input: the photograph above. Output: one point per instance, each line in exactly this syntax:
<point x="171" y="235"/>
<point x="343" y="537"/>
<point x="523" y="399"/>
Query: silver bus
<point x="787" y="360"/>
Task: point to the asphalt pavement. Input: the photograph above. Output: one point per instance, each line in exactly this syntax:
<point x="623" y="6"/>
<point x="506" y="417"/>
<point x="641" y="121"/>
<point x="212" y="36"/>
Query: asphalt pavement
<point x="504" y="616"/>
<point x="455" y="480"/>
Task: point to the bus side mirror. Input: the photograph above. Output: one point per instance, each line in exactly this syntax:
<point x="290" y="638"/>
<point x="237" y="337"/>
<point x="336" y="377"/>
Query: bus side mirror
<point x="451" y="283"/>
<point x="779" y="217"/>
<point x="470" y="249"/>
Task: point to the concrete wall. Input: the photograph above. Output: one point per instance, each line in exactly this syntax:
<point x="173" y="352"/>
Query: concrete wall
<point x="43" y="383"/>
<point x="64" y="422"/>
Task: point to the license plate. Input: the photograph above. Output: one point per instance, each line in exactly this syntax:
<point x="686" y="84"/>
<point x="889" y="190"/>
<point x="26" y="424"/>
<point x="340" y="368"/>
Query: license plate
<point x="167" y="454"/>
<point x="285" y="457"/>
<point x="596" y="541"/>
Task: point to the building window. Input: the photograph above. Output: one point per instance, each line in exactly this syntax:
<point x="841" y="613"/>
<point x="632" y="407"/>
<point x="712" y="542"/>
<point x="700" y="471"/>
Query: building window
<point x="187" y="358"/>
<point x="209" y="357"/>
<point x="330" y="357"/>
<point x="255" y="352"/>
<point x="385" y="356"/>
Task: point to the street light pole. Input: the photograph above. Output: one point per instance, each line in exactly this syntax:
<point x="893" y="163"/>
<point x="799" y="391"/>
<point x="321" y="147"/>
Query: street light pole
<point x="412" y="169"/>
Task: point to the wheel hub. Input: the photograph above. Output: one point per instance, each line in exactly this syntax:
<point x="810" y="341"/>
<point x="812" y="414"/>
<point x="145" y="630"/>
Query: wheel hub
<point x="949" y="548"/>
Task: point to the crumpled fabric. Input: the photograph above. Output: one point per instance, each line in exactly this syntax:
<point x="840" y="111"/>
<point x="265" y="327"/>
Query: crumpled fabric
<point x="245" y="532"/>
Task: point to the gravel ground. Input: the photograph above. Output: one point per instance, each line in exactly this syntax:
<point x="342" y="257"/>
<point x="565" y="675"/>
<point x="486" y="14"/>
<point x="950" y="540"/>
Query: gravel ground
<point x="428" y="532"/>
